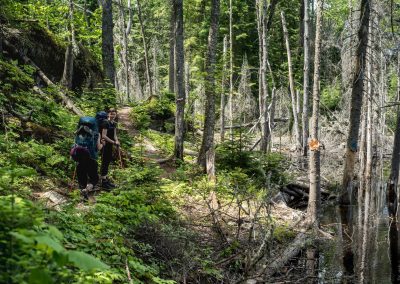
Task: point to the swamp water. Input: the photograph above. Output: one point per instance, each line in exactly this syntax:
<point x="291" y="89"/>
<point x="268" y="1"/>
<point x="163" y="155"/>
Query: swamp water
<point x="364" y="249"/>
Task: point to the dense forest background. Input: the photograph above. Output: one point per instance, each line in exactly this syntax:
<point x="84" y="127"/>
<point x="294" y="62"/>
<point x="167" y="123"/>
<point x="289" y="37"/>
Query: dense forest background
<point x="243" y="125"/>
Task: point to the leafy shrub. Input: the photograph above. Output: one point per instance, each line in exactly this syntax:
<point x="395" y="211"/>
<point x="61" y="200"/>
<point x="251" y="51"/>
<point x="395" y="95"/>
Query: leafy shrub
<point x="159" y="108"/>
<point x="32" y="251"/>
<point x="140" y="117"/>
<point x="331" y="97"/>
<point x="274" y="166"/>
<point x="101" y="98"/>
<point x="260" y="167"/>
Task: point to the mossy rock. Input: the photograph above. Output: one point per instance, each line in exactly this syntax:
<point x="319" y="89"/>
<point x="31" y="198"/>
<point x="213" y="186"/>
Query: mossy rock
<point x="43" y="49"/>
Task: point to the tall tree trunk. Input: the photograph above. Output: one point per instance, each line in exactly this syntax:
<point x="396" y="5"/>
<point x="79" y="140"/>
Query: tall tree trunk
<point x="207" y="145"/>
<point x="356" y="101"/>
<point x="264" y="83"/>
<point x="306" y="75"/>
<point x="172" y="32"/>
<point x="125" y="34"/>
<point x="291" y="83"/>
<point x="180" y="73"/>
<point x="315" y="179"/>
<point x="393" y="181"/>
<point x="231" y="68"/>
<point x="107" y="48"/>
<point x="225" y="48"/>
<point x="68" y="72"/>
<point x="146" y="56"/>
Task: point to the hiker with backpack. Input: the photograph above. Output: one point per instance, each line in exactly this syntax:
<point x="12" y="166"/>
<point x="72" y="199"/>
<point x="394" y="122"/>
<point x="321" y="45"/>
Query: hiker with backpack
<point x="85" y="153"/>
<point x="109" y="136"/>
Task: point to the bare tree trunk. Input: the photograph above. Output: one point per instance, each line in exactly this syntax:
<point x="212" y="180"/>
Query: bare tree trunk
<point x="171" y="72"/>
<point x="291" y="83"/>
<point x="264" y="102"/>
<point x="125" y="34"/>
<point x="180" y="73"/>
<point x="107" y="48"/>
<point x="356" y="102"/>
<point x="314" y="200"/>
<point x="231" y="68"/>
<point x="146" y="56"/>
<point x="209" y="122"/>
<point x="306" y="79"/>
<point x="68" y="72"/>
<point x="393" y="181"/>
<point x="225" y="47"/>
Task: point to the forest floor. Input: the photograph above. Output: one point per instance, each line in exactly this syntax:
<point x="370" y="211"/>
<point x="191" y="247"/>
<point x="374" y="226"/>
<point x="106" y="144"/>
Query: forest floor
<point x="219" y="223"/>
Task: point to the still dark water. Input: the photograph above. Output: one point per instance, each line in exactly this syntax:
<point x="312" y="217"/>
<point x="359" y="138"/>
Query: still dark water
<point x="364" y="250"/>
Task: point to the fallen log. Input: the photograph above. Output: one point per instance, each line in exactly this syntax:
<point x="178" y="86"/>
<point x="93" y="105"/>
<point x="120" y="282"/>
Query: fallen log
<point x="64" y="98"/>
<point x="190" y="152"/>
<point x="291" y="251"/>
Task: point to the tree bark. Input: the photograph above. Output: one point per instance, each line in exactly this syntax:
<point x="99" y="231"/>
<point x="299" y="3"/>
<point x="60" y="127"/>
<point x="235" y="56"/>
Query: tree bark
<point x="209" y="122"/>
<point x="222" y="118"/>
<point x="393" y="181"/>
<point x="68" y="72"/>
<point x="172" y="32"/>
<point x="314" y="200"/>
<point x="263" y="100"/>
<point x="146" y="56"/>
<point x="231" y="67"/>
<point x="291" y="83"/>
<point x="125" y="34"/>
<point x="306" y="79"/>
<point x="356" y="102"/>
<point x="180" y="73"/>
<point x="107" y="48"/>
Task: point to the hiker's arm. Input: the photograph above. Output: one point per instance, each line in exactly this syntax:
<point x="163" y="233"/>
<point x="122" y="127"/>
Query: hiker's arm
<point x="104" y="136"/>
<point x="115" y="137"/>
<point x="99" y="145"/>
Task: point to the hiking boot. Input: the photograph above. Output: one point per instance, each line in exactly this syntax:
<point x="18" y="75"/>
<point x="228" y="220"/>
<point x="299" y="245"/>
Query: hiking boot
<point x="84" y="194"/>
<point x="89" y="187"/>
<point x="110" y="183"/>
<point x="106" y="185"/>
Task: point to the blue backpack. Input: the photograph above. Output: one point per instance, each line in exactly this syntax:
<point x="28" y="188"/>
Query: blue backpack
<point x="86" y="137"/>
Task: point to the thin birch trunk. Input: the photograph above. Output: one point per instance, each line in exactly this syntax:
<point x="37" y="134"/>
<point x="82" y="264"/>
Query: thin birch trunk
<point x="180" y="73"/>
<point x="146" y="56"/>
<point x="306" y="77"/>
<point x="356" y="102"/>
<point x="291" y="83"/>
<point x="222" y="118"/>
<point x="314" y="200"/>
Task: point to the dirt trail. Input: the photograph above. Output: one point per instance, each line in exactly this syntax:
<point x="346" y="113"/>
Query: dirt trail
<point x="150" y="151"/>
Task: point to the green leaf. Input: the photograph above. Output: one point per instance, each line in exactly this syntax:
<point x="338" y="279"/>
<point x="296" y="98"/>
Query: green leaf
<point x="85" y="261"/>
<point x="21" y="237"/>
<point x="55" y="232"/>
<point x="46" y="240"/>
<point x="40" y="276"/>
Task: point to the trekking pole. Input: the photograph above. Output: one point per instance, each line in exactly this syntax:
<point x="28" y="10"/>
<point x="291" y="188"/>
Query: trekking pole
<point x="73" y="180"/>
<point x="120" y="158"/>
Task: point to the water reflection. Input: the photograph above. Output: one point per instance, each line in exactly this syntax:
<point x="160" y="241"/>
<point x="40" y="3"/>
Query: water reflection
<point x="367" y="247"/>
<point x="394" y="250"/>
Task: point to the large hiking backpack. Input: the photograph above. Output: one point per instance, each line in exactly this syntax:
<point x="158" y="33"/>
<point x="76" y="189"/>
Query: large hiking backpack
<point x="102" y="120"/>
<point x="86" y="137"/>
